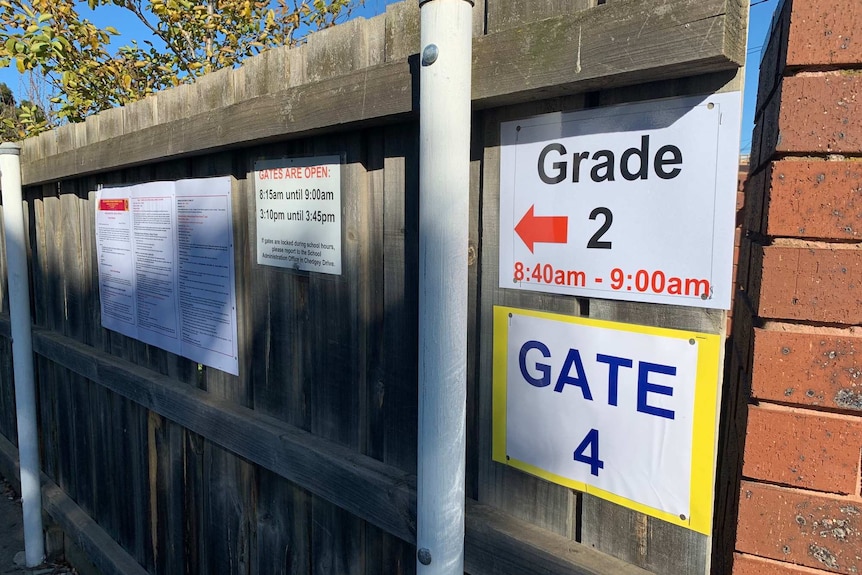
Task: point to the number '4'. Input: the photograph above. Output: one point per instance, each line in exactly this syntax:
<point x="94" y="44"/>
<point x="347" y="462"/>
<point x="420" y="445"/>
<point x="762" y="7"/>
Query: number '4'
<point x="591" y="441"/>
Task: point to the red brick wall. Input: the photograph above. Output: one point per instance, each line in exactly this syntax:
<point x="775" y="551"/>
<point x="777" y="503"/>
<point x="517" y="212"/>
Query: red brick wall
<point x="794" y="347"/>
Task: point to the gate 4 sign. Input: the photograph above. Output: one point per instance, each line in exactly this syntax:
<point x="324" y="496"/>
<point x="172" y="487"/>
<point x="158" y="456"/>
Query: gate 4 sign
<point x="633" y="202"/>
<point x="624" y="412"/>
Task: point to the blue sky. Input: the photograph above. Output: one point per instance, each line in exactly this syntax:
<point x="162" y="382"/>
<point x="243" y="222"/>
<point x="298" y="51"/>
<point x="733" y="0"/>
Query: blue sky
<point x="760" y="19"/>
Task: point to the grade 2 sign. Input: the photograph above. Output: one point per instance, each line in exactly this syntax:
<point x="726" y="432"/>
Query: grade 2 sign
<point x="623" y="412"/>
<point x="633" y="202"/>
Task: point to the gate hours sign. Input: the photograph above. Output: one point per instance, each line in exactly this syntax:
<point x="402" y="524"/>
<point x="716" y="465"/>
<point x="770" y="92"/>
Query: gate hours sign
<point x="624" y="412"/>
<point x="298" y="212"/>
<point x="633" y="202"/>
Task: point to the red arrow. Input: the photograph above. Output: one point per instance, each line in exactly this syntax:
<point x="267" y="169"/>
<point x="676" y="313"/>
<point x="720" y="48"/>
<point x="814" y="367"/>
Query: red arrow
<point x="549" y="230"/>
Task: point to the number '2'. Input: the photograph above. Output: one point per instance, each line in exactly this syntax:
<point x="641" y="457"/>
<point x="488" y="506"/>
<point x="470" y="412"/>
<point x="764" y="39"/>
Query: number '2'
<point x="595" y="240"/>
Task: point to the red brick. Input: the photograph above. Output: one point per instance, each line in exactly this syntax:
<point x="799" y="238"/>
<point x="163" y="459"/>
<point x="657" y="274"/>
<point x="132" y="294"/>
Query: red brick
<point x="803" y="448"/>
<point x="751" y="565"/>
<point x="822" y="369"/>
<point x="822" y="284"/>
<point x="815" y="200"/>
<point x="819" y="531"/>
<point x="820" y="114"/>
<point x="825" y="33"/>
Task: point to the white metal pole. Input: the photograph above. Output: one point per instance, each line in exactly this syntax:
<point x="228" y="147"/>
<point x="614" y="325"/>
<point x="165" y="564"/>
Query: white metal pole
<point x="444" y="190"/>
<point x="22" y="352"/>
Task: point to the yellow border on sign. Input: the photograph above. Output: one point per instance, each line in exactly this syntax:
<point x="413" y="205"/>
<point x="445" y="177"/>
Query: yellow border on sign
<point x="703" y="428"/>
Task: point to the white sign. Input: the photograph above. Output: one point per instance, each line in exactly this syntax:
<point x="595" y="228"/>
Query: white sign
<point x="298" y="210"/>
<point x="166" y="268"/>
<point x="633" y="202"/>
<point x="625" y="412"/>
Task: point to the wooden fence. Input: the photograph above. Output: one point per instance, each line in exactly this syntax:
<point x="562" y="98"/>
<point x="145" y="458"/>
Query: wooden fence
<point x="305" y="463"/>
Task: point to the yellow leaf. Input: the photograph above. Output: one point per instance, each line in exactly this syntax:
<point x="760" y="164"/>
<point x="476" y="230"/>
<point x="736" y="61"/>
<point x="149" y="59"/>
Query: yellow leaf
<point x="127" y="81"/>
<point x="20" y="65"/>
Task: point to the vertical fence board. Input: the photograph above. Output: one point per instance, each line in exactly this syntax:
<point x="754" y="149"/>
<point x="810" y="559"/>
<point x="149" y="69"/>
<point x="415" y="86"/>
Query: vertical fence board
<point x="636" y="538"/>
<point x="228" y="480"/>
<point x="283" y="538"/>
<point x="194" y="493"/>
<point x="644" y="541"/>
<point x="279" y="308"/>
<point x="338" y="392"/>
<point x="166" y="503"/>
<point x="474" y="271"/>
<point x="400" y="292"/>
<point x="540" y="502"/>
<point x="8" y="419"/>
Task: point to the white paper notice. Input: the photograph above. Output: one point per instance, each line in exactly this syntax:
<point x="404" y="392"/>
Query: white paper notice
<point x="166" y="268"/>
<point x="116" y="265"/>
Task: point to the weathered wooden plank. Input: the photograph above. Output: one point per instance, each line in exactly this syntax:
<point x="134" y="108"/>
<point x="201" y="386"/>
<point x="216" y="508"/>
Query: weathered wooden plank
<point x="389" y="555"/>
<point x="624" y="43"/>
<point x="8" y="419"/>
<point x="647" y="542"/>
<point x="278" y="300"/>
<point x="36" y="256"/>
<point x="504" y="15"/>
<point x="402" y="30"/>
<point x="390" y="347"/>
<point x="655" y="545"/>
<point x="382" y="553"/>
<point x="283" y="544"/>
<point x="102" y="550"/>
<point x="51" y="240"/>
<point x="279" y="303"/>
<point x="529" y="549"/>
<point x="369" y="489"/>
<point x="374" y="295"/>
<point x="136" y="537"/>
<point x="47" y="412"/>
<point x="9" y="465"/>
<point x="546" y="505"/>
<point x="473" y="315"/>
<point x="231" y="486"/>
<point x="400" y="342"/>
<point x="166" y="478"/>
<point x="361" y="485"/>
<point x="336" y="309"/>
<point x="328" y="105"/>
<point x="101" y="444"/>
<point x="226" y="537"/>
<point x="194" y="501"/>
